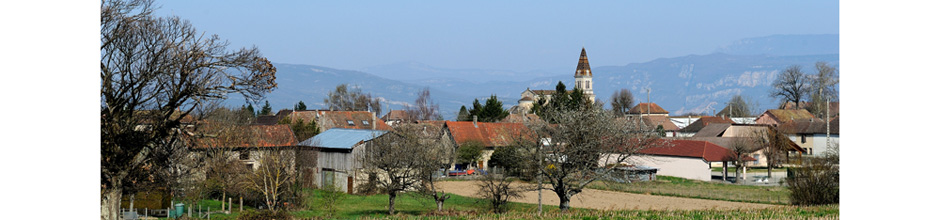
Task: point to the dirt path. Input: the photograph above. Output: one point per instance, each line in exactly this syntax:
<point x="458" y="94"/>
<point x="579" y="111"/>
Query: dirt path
<point x="609" y="200"/>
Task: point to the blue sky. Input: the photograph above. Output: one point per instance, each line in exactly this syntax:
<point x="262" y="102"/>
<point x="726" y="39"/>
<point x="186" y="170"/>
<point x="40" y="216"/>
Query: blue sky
<point x="513" y="35"/>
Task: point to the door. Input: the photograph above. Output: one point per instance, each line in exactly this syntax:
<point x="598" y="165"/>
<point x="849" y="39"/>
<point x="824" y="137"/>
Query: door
<point x="349" y="185"/>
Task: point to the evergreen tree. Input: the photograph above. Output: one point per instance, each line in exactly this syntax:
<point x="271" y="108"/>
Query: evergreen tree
<point x="266" y="109"/>
<point x="300" y="106"/>
<point x="250" y="109"/>
<point x="491" y="112"/>
<point x="477" y="107"/>
<point x="463" y="115"/>
<point x="304" y="131"/>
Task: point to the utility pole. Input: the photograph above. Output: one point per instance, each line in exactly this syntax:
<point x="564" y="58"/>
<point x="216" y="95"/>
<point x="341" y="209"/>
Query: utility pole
<point x="539" y="175"/>
<point x="827" y="124"/>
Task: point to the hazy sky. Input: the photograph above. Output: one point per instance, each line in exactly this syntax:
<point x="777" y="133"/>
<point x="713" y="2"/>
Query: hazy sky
<point x="508" y="35"/>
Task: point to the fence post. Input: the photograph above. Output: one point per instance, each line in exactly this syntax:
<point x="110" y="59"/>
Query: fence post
<point x="229" y="205"/>
<point x="240" y="203"/>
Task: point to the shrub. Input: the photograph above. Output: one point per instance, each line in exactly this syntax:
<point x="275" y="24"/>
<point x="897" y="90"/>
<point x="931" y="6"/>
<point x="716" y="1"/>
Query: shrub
<point x="814" y="183"/>
<point x="496" y="189"/>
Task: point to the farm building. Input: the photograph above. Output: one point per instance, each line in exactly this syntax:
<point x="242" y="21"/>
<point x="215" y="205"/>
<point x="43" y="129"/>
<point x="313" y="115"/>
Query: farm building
<point x="690" y="159"/>
<point x="336" y="160"/>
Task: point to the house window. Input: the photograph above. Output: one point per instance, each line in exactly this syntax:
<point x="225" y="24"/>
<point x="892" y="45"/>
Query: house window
<point x="803" y="138"/>
<point x="364" y="122"/>
<point x="244" y="155"/>
<point x="250" y="166"/>
<point x="588" y="84"/>
<point x="756" y="158"/>
<point x="350" y="123"/>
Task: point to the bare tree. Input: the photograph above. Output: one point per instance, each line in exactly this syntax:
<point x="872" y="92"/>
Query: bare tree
<point x="741" y="147"/>
<point x="583" y="142"/>
<point x="497" y="189"/>
<point x="274" y="176"/>
<point x="823" y="89"/>
<point x="344" y="98"/>
<point x="439" y="157"/>
<point x="154" y="73"/>
<point x="400" y="159"/>
<point x="791" y="86"/>
<point x="739" y="106"/>
<point x="621" y="101"/>
<point x="424" y="108"/>
<point x="775" y="146"/>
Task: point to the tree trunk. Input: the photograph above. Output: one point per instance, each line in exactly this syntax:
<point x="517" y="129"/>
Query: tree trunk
<point x="111" y="203"/>
<point x="737" y="174"/>
<point x="440" y="205"/>
<point x="391" y="203"/>
<point x="563" y="201"/>
<point x="769" y="169"/>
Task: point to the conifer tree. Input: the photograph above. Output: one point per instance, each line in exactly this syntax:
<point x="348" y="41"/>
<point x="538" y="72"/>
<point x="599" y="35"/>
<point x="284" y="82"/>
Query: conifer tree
<point x="463" y="115"/>
<point x="300" y="106"/>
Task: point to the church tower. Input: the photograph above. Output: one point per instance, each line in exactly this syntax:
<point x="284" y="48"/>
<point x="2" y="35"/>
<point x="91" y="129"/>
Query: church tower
<point x="582" y="76"/>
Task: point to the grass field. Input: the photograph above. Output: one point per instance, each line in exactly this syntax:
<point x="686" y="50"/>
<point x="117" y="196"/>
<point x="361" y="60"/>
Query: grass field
<point x="674" y="186"/>
<point x="459" y="207"/>
<point x="411" y="206"/>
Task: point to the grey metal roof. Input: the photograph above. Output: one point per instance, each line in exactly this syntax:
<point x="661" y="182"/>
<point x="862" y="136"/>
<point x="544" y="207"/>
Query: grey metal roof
<point x="341" y="138"/>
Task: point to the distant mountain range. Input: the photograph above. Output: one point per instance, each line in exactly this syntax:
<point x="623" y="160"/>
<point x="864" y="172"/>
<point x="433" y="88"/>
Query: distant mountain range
<point x="784" y="45"/>
<point x="687" y="84"/>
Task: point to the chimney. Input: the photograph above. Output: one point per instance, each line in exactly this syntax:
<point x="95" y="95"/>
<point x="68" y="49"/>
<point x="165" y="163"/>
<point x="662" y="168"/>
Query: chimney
<point x="373" y="121"/>
<point x="474" y="121"/>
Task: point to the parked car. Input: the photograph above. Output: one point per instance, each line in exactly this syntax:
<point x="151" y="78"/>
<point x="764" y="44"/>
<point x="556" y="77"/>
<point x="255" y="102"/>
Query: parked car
<point x="761" y="179"/>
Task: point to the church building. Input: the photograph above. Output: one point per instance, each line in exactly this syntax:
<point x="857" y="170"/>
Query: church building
<point x="583" y="81"/>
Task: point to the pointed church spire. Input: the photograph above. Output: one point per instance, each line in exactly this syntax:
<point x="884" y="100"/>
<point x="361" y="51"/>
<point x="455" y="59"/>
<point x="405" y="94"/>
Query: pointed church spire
<point x="583" y="67"/>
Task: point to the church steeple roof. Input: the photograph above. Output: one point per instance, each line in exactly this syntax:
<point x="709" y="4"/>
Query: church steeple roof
<point x="584" y="69"/>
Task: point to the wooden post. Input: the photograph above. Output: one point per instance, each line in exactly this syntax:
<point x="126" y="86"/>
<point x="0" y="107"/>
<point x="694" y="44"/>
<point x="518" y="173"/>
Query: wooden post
<point x="240" y="203"/>
<point x="132" y="203"/>
<point x="744" y="171"/>
<point x="229" y="205"/>
<point x="190" y="209"/>
<point x="724" y="170"/>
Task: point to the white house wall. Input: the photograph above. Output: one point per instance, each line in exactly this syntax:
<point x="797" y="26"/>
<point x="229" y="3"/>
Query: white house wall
<point x="689" y="168"/>
<point x="819" y="143"/>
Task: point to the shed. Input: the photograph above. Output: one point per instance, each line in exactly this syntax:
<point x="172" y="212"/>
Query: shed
<point x="336" y="160"/>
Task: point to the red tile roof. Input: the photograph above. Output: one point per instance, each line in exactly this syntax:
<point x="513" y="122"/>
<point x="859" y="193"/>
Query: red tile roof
<point x="489" y="134"/>
<point x="653" y="108"/>
<point x="338" y="119"/>
<point x="251" y="136"/>
<point x="395" y="115"/>
<point x="691" y="148"/>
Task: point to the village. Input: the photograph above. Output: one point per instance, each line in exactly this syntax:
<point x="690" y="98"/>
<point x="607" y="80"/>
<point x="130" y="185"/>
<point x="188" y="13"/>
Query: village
<point x="560" y="138"/>
<point x="174" y="146"/>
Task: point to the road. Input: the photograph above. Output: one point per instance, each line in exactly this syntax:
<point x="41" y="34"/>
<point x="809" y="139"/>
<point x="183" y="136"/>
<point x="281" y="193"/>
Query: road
<point x="609" y="200"/>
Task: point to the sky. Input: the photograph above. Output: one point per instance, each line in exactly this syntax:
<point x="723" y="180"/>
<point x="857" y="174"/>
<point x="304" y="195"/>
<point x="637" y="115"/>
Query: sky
<point x="499" y="35"/>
